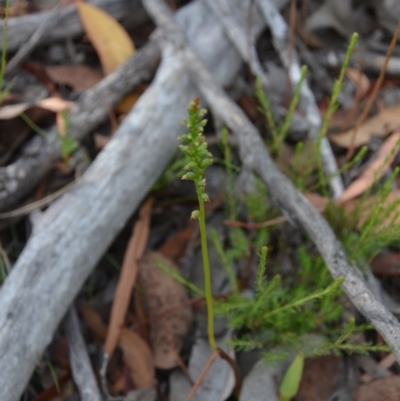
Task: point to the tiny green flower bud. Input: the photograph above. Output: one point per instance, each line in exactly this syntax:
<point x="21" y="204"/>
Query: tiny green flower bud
<point x="195" y="215"/>
<point x="205" y="197"/>
<point x="189" y="176"/>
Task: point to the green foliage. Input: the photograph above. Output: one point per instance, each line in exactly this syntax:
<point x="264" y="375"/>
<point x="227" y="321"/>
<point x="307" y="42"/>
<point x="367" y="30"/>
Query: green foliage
<point x="68" y="144"/>
<point x="279" y="313"/>
<point x="170" y="174"/>
<point x="278" y="134"/>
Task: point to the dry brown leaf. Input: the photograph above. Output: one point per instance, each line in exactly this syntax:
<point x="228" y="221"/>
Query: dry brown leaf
<point x="137" y="354"/>
<point x="359" y="79"/>
<point x="94" y="322"/>
<point x="80" y="77"/>
<point x="127" y="278"/>
<point x="129" y="100"/>
<point x="54" y="104"/>
<point x="322" y="376"/>
<point x="382" y="124"/>
<point x="386" y="389"/>
<point x="164" y="301"/>
<point x="386" y="264"/>
<point x="108" y="37"/>
<point x="174" y="248"/>
<point x="318" y="201"/>
<point x="374" y="171"/>
<point x="138" y="359"/>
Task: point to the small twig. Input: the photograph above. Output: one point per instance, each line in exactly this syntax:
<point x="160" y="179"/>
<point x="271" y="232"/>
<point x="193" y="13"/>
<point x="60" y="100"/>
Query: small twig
<point x="233" y="364"/>
<point x="39" y="155"/>
<point x="27" y="48"/>
<point x="255" y="226"/>
<point x="374" y="93"/>
<point x="103" y="376"/>
<point x="200" y="379"/>
<point x="129" y="271"/>
<point x="31" y="207"/>
<point x="82" y="371"/>
<point x="6" y="259"/>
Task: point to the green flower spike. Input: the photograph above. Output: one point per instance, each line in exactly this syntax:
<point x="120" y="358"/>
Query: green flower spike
<point x="194" y="147"/>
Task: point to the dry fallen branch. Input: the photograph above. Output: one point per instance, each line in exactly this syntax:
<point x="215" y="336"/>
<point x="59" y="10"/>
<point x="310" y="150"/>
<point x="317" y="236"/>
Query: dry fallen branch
<point x="39" y="156"/>
<point x="254" y="156"/>
<point x="65" y="22"/>
<point x="77" y="229"/>
<point x="80" y="363"/>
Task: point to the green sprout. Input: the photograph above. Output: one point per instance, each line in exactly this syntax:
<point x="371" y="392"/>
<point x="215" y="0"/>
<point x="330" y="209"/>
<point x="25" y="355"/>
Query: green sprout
<point x="194" y="148"/>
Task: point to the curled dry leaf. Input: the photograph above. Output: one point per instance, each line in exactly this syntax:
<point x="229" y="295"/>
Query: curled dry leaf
<point x="138" y="358"/>
<point x="387" y="389"/>
<point x="54" y="104"/>
<point x="136" y="352"/>
<point x="375" y="170"/>
<point x="359" y="79"/>
<point x="163" y="299"/>
<point x="382" y="124"/>
<point x="108" y="37"/>
<point x="112" y="44"/>
<point x="80" y="77"/>
<point x="175" y="246"/>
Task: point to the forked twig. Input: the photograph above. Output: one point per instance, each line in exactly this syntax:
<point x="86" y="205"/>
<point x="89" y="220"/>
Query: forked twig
<point x="203" y="373"/>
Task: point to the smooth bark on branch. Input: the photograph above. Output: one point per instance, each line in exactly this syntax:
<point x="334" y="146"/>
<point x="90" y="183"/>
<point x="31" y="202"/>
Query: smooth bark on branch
<point x="39" y="155"/>
<point x="255" y="157"/>
<point x="77" y="229"/>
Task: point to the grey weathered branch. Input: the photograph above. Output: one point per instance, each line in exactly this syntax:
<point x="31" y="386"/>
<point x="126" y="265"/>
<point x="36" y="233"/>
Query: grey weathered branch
<point x="39" y="155"/>
<point x="254" y="156"/>
<point x="82" y="371"/>
<point x="65" y="22"/>
<point x="77" y="229"/>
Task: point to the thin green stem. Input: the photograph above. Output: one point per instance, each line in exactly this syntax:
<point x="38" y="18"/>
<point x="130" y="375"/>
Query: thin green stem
<point x="207" y="272"/>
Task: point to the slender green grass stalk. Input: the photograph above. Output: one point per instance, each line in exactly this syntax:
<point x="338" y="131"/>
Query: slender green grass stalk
<point x="265" y="108"/>
<point x="337" y="88"/>
<point x="226" y="261"/>
<point x="4" y="51"/>
<point x="261" y="268"/>
<point x="283" y="129"/>
<point x="194" y="147"/>
<point x="295" y="304"/>
<point x="32" y="125"/>
<point x="53" y="373"/>
<point x="360" y="154"/>
<point x="179" y="278"/>
<point x="332" y="106"/>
